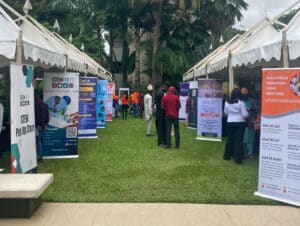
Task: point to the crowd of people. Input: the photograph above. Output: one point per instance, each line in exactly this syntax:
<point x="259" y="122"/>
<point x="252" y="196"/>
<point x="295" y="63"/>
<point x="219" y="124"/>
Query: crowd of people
<point x="242" y="113"/>
<point x="241" y="110"/>
<point x="165" y="104"/>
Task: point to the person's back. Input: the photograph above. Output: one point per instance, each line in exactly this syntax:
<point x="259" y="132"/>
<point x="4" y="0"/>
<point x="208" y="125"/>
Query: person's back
<point x="237" y="112"/>
<point x="160" y="93"/>
<point x="171" y="104"/>
<point x="41" y="122"/>
<point x="41" y="112"/>
<point x="160" y="121"/>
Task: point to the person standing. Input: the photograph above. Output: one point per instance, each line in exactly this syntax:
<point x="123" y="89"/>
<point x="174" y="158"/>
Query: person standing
<point x="125" y="102"/>
<point x="236" y="112"/>
<point x="249" y="134"/>
<point x="148" y="109"/>
<point x="41" y="114"/>
<point x="171" y="104"/>
<point x="135" y="104"/>
<point x="116" y="104"/>
<point x="160" y="120"/>
<point x="141" y="103"/>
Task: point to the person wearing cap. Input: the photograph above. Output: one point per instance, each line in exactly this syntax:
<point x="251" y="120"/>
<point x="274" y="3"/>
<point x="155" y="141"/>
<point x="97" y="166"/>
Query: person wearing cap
<point x="171" y="104"/>
<point x="148" y="109"/>
<point x="160" y="120"/>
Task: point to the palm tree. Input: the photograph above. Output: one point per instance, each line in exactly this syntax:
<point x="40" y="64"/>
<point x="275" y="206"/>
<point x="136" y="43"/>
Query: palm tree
<point x="218" y="15"/>
<point x="160" y="4"/>
<point x="141" y="21"/>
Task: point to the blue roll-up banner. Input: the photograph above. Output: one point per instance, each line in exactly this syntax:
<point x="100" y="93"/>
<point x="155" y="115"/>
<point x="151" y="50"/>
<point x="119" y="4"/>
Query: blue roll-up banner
<point x="23" y="142"/>
<point x="87" y="107"/>
<point x="192" y="105"/>
<point x="184" y="93"/>
<point x="101" y="103"/>
<point x="61" y="94"/>
<point x="209" y="120"/>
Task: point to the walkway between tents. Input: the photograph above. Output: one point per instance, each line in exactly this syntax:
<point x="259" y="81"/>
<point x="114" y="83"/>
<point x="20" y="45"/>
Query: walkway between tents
<point x="156" y="214"/>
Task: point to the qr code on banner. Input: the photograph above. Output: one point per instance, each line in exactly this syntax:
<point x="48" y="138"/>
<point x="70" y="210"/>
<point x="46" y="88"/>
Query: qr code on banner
<point x="71" y="132"/>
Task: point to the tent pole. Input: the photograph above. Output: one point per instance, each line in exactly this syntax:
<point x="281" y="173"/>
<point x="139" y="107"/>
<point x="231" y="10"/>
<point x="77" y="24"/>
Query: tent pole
<point x="230" y="72"/>
<point x="194" y="76"/>
<point x="206" y="71"/>
<point x="19" y="47"/>
<point x="66" y="67"/>
<point x="285" y="52"/>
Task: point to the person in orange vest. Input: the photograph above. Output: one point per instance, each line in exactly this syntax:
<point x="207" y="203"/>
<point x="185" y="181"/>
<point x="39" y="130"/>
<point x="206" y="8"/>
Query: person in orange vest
<point x="135" y="103"/>
<point x="116" y="104"/>
<point x="125" y="102"/>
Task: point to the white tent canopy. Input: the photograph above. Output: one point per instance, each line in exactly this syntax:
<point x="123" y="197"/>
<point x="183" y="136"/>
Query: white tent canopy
<point x="293" y="37"/>
<point x="42" y="47"/>
<point x="8" y="35"/>
<point x="76" y="60"/>
<point x="39" y="52"/>
<point x="262" y="45"/>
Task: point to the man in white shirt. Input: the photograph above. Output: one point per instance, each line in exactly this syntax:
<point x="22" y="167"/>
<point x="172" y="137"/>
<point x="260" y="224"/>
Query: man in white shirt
<point x="148" y="109"/>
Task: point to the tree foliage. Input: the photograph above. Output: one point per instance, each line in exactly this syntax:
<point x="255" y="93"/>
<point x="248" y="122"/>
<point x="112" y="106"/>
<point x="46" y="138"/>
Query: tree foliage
<point x="182" y="30"/>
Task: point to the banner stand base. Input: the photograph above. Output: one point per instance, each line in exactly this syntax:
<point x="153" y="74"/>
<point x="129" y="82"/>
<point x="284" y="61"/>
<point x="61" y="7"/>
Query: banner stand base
<point x="91" y="137"/>
<point x="277" y="199"/>
<point x="61" y="157"/>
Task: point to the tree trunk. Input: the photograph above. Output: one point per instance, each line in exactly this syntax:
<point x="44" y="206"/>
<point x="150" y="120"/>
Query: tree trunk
<point x="125" y="55"/>
<point x="137" y="81"/>
<point x="156" y="77"/>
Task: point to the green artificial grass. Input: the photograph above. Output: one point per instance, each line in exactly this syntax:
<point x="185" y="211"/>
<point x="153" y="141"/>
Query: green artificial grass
<point x="123" y="165"/>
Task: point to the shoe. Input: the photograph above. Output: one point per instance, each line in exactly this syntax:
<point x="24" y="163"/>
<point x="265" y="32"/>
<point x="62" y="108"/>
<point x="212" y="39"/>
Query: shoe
<point x="149" y="135"/>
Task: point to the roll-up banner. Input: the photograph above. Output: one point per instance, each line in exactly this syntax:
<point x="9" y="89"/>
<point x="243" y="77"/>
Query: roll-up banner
<point x="87" y="107"/>
<point x="209" y="120"/>
<point x="184" y="93"/>
<point x="279" y="157"/>
<point x="192" y="105"/>
<point x="109" y="102"/>
<point x="23" y="143"/>
<point x="101" y="103"/>
<point x="61" y="94"/>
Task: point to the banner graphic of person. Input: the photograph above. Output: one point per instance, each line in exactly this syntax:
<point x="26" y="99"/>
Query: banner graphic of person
<point x="279" y="152"/>
<point x="61" y="94"/>
<point x="87" y="107"/>
<point x="23" y="143"/>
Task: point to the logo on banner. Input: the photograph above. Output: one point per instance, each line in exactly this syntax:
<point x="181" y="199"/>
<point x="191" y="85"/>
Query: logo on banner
<point x="62" y="83"/>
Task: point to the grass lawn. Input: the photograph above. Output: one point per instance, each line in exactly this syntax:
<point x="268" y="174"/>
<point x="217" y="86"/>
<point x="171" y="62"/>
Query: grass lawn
<point x="123" y="165"/>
